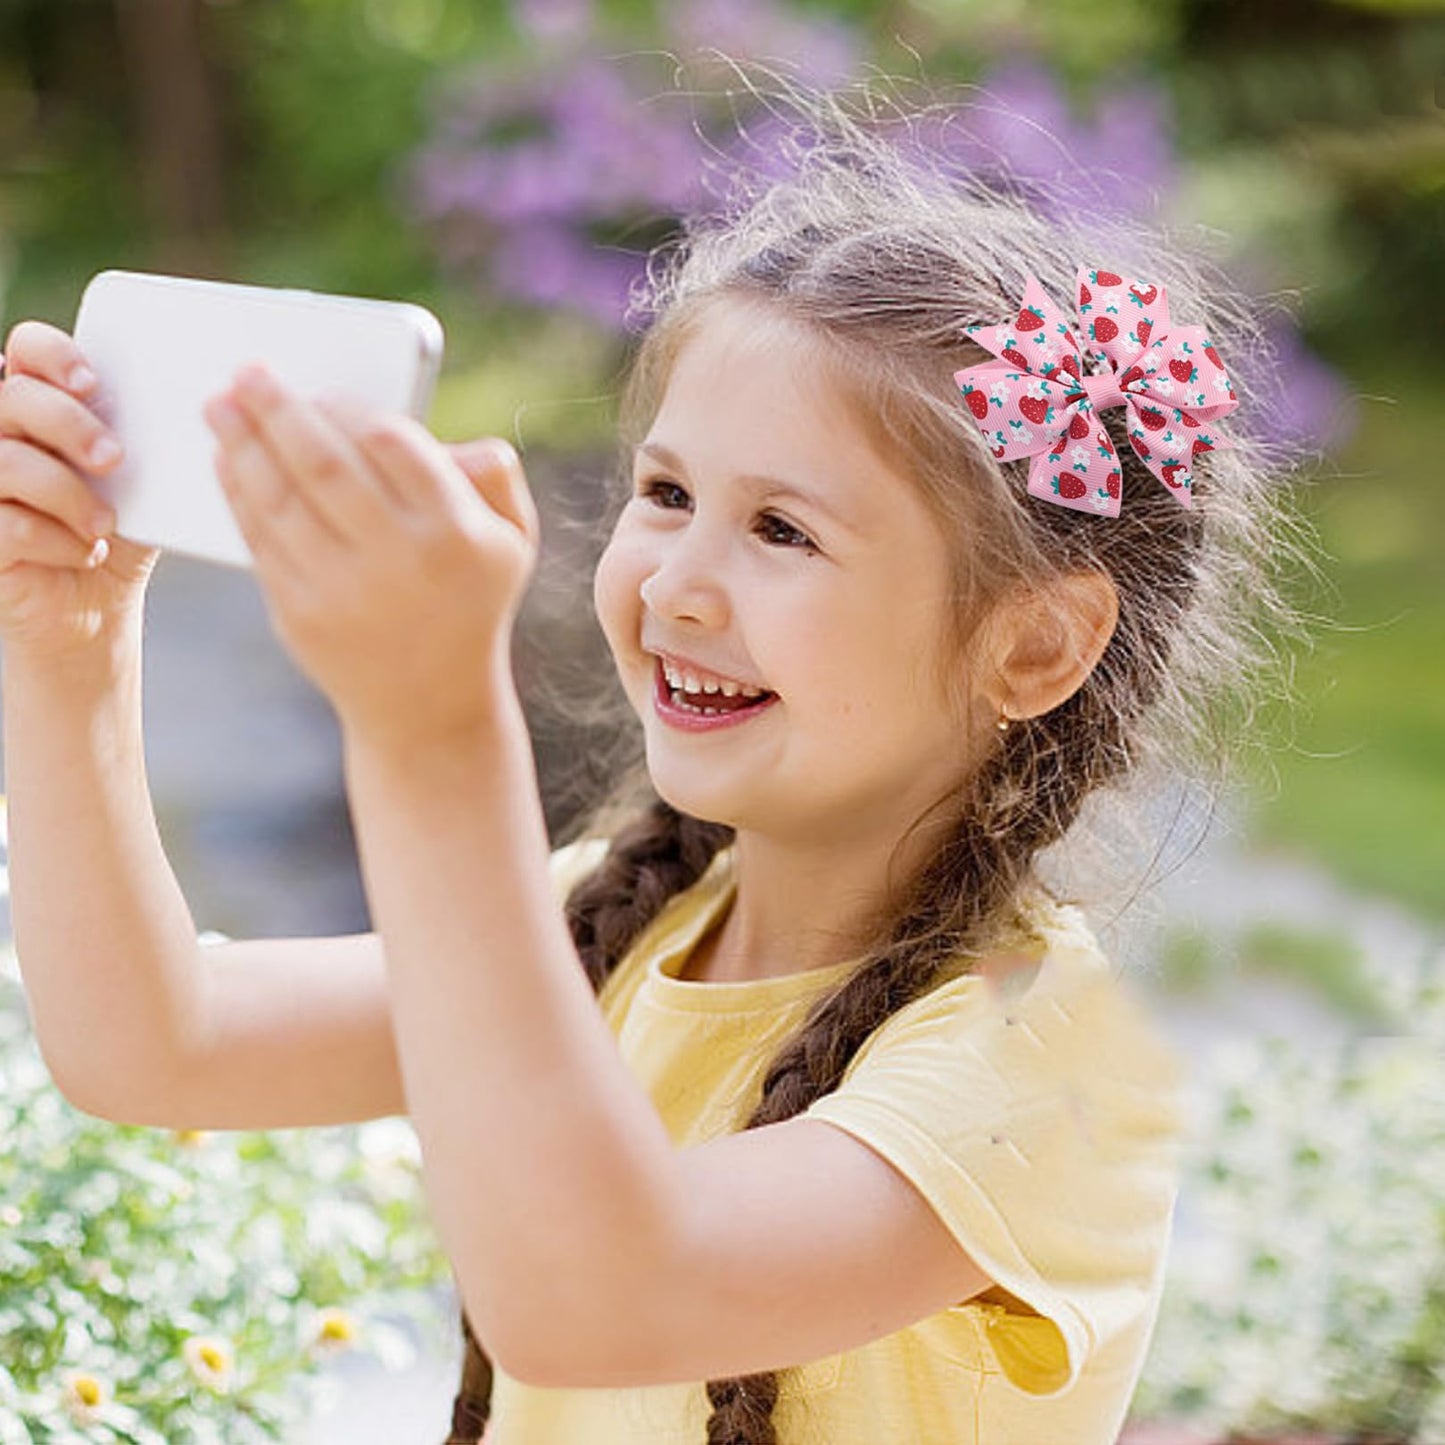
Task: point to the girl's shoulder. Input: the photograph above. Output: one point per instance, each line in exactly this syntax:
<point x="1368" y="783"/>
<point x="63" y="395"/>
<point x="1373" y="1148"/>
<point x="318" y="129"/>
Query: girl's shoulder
<point x="1049" y="984"/>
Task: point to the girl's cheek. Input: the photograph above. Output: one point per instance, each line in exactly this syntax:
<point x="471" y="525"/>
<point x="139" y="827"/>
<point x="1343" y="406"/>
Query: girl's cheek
<point x="615" y="595"/>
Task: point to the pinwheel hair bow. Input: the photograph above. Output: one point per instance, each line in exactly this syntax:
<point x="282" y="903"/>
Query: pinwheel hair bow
<point x="1036" y="401"/>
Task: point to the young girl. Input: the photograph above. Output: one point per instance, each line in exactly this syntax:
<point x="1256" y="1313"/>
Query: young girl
<point x="843" y="1130"/>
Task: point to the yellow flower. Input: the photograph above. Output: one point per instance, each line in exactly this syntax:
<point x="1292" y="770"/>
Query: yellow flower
<point x="334" y="1333"/>
<point x="84" y="1397"/>
<point x="211" y="1361"/>
<point x="190" y="1138"/>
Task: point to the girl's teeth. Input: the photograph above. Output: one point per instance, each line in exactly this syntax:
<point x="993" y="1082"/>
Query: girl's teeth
<point x="687" y="682"/>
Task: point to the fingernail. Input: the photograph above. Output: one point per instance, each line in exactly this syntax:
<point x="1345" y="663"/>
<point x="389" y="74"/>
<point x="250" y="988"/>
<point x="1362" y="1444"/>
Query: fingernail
<point x="503" y="453"/>
<point x="82" y="378"/>
<point x="104" y="451"/>
<point x="223" y="416"/>
<point x="98" y="553"/>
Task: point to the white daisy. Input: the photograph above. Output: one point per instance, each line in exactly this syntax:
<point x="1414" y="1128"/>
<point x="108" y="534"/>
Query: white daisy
<point x="333" y="1333"/>
<point x="211" y="1360"/>
<point x="84" y="1397"/>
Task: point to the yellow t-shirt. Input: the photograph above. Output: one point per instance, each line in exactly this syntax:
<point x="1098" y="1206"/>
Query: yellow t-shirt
<point x="1041" y="1119"/>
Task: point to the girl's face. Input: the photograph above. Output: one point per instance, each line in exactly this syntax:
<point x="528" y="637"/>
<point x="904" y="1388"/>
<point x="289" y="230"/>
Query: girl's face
<point x="767" y="541"/>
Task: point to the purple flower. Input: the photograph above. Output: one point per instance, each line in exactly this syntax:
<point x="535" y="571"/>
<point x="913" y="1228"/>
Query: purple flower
<point x="553" y="19"/>
<point x="1119" y="162"/>
<point x="530" y="171"/>
<point x="822" y="51"/>
<point x="551" y="265"/>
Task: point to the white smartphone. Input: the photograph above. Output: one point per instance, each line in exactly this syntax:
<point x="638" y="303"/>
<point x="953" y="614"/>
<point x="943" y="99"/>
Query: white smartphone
<point x="161" y="345"/>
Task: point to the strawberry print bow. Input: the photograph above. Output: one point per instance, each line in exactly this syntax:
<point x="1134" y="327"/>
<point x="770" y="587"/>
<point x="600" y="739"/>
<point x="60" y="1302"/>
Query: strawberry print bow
<point x="1036" y="401"/>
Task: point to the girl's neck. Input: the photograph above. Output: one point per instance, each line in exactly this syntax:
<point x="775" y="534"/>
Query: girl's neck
<point x="765" y="931"/>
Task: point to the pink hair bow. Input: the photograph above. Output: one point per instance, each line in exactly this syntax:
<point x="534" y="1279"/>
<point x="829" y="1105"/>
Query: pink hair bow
<point x="1036" y="401"/>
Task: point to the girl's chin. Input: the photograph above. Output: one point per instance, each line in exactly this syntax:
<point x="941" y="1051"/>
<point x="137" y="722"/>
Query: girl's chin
<point x="702" y="804"/>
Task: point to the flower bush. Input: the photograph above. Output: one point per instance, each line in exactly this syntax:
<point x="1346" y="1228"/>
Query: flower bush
<point x="1316" y="1300"/>
<point x="186" y="1288"/>
<point x="547" y="172"/>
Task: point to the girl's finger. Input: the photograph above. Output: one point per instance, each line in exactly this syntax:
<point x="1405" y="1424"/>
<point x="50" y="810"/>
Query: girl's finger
<point x="243" y="509"/>
<point x="48" y="419"/>
<point x="38" y="349"/>
<point x="418" y="467"/>
<point x="360" y="426"/>
<point x="318" y="456"/>
<point x="274" y="519"/>
<point x="495" y="470"/>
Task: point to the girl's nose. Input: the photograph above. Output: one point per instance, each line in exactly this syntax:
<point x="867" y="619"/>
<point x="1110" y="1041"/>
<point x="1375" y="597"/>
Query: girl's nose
<point x="681" y="589"/>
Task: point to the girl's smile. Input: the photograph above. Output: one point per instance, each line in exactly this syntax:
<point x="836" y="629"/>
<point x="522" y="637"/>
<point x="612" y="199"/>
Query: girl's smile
<point x="699" y="711"/>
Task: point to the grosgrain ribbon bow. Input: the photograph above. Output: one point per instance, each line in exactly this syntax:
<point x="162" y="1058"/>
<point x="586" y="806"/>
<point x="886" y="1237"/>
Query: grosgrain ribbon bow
<point x="1036" y="401"/>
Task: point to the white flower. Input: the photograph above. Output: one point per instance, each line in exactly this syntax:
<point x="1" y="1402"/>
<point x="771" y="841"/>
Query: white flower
<point x="211" y="1361"/>
<point x="333" y="1333"/>
<point x="84" y="1397"/>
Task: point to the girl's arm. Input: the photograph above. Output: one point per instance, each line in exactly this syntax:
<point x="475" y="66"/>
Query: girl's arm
<point x="590" y="1251"/>
<point x="104" y="938"/>
<point x="550" y="1174"/>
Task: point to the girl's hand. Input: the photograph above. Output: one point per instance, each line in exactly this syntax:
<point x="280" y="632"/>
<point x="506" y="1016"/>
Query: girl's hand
<point x="51" y="518"/>
<point x="392" y="566"/>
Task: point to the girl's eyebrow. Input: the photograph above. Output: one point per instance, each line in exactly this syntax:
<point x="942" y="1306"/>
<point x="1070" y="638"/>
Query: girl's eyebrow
<point x="773" y="486"/>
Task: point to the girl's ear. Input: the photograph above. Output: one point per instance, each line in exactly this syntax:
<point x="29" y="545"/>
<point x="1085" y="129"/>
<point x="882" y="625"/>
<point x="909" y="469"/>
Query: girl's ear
<point x="1044" y="643"/>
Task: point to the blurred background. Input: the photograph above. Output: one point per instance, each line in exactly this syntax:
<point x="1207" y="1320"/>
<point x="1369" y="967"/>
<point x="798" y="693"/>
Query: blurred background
<point x="509" y="164"/>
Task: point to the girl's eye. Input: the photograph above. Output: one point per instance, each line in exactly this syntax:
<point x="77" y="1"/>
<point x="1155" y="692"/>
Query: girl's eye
<point x="658" y="486"/>
<point x="788" y="534"/>
<point x="782" y="533"/>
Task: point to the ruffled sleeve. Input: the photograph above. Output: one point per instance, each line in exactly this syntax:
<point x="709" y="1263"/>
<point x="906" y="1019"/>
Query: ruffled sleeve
<point x="1045" y="1130"/>
<point x="573" y="861"/>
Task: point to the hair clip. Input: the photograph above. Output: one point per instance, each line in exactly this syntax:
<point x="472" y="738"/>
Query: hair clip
<point x="1036" y="401"/>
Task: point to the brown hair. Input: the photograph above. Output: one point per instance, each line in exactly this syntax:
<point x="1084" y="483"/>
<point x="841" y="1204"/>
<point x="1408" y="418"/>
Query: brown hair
<point x="883" y="254"/>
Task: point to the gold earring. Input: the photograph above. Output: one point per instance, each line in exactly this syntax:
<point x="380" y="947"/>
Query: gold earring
<point x="1003" y="719"/>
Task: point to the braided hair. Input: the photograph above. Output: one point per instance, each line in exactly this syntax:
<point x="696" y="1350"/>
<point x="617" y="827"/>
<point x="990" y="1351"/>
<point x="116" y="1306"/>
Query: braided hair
<point x="884" y="256"/>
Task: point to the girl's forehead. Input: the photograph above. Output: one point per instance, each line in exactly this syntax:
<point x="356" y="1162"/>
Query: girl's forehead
<point x="747" y="373"/>
<point x="760" y="406"/>
<point x="729" y="332"/>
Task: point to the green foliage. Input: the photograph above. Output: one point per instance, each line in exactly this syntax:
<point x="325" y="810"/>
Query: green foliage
<point x="1321" y="961"/>
<point x="170" y="1288"/>
<point x="1362" y="784"/>
<point x="1309" y="1290"/>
